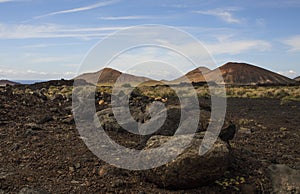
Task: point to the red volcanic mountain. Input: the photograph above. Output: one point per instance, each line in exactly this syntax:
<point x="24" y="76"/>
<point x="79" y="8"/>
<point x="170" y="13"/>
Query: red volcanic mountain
<point x="232" y="73"/>
<point x="110" y="76"/>
<point x="7" y="82"/>
<point x="246" y="74"/>
<point x="241" y="74"/>
<point x="195" y="75"/>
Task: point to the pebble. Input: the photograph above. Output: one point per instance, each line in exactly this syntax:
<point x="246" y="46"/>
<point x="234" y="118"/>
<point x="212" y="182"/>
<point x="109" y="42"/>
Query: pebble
<point x="74" y="182"/>
<point x="15" y="147"/>
<point x="29" y="132"/>
<point x="103" y="171"/>
<point x="45" y="119"/>
<point x="117" y="183"/>
<point x="71" y="169"/>
<point x="101" y="102"/>
<point x="26" y="190"/>
<point x="32" y="126"/>
<point x="87" y="183"/>
<point x="77" y="165"/>
<point x="53" y="109"/>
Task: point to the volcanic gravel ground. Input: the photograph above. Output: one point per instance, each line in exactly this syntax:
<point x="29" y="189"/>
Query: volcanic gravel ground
<point x="50" y="157"/>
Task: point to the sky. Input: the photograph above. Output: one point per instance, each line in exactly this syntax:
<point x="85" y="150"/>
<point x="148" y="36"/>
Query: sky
<point x="42" y="39"/>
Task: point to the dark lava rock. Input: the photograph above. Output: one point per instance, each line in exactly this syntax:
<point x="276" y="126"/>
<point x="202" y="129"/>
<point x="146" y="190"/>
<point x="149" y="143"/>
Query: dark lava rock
<point x="45" y="119"/>
<point x="40" y="94"/>
<point x="33" y="126"/>
<point x="68" y="120"/>
<point x="4" y="122"/>
<point x="189" y="169"/>
<point x="109" y="123"/>
<point x="27" y="190"/>
<point x="107" y="120"/>
<point x="172" y="122"/>
<point x="57" y="97"/>
<point x="284" y="179"/>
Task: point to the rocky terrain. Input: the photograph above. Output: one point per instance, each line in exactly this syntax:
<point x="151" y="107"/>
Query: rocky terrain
<point x="43" y="152"/>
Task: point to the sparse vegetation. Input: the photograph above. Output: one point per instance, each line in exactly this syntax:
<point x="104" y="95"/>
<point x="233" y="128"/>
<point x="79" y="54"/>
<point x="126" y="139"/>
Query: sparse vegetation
<point x="284" y="93"/>
<point x="231" y="182"/>
<point x="281" y="92"/>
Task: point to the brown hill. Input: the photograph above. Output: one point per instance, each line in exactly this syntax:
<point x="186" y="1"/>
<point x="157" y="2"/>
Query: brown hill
<point x="195" y="75"/>
<point x="109" y="76"/>
<point x="7" y="82"/>
<point x="297" y="78"/>
<point x="241" y="74"/>
<point x="246" y="74"/>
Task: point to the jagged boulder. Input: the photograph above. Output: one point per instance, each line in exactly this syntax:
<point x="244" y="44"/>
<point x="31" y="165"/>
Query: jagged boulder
<point x="108" y="121"/>
<point x="189" y="169"/>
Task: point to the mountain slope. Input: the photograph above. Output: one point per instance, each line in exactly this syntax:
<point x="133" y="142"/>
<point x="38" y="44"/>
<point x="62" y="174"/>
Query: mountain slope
<point x="195" y="75"/>
<point x="297" y="78"/>
<point x="7" y="82"/>
<point x="243" y="74"/>
<point x="110" y="76"/>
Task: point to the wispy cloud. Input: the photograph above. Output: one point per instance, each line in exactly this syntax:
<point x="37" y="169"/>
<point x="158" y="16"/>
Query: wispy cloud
<point x="131" y="17"/>
<point x="6" y="1"/>
<point x="293" y="42"/>
<point x="79" y="9"/>
<point x="278" y="3"/>
<point x="15" y="74"/>
<point x="53" y="31"/>
<point x="49" y="59"/>
<point x="33" y="46"/>
<point x="223" y="14"/>
<point x="175" y="5"/>
<point x="238" y="46"/>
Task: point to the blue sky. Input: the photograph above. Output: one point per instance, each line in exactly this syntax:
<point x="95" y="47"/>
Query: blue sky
<point x="42" y="39"/>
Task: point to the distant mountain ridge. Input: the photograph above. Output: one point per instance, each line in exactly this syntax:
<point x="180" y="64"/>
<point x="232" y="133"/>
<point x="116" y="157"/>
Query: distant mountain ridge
<point x="297" y="78"/>
<point x="8" y="82"/>
<point x="233" y="73"/>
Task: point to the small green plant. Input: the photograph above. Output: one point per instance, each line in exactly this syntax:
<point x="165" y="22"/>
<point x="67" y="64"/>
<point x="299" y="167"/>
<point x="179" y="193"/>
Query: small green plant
<point x="231" y="182"/>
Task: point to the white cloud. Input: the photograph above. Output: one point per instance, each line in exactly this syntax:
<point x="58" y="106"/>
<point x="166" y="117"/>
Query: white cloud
<point x="291" y="73"/>
<point x="223" y="14"/>
<point x="278" y="3"/>
<point x="14" y="74"/>
<point x="6" y="1"/>
<point x="32" y="58"/>
<point x="130" y="17"/>
<point x="79" y="9"/>
<point x="24" y="31"/>
<point x="33" y="46"/>
<point x="293" y="43"/>
<point x="43" y="60"/>
<point x="238" y="46"/>
<point x="178" y="6"/>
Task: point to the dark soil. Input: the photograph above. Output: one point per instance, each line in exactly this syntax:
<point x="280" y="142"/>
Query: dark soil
<point x="51" y="157"/>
